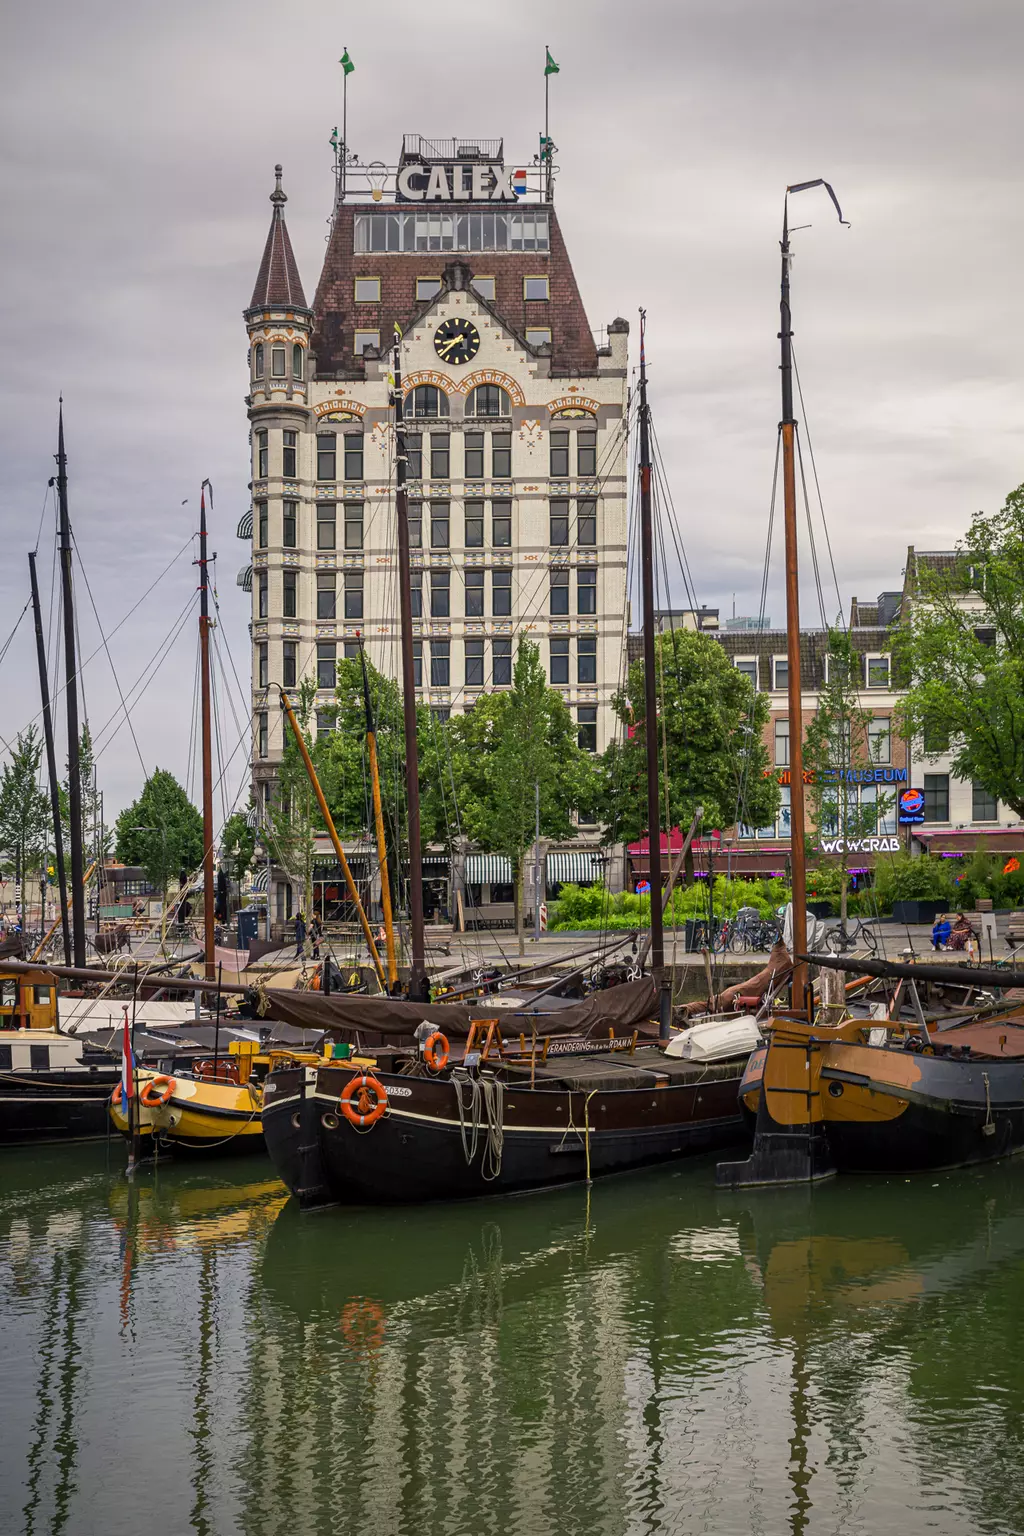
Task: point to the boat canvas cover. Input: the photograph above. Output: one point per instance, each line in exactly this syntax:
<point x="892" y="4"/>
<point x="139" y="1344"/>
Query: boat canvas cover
<point x="94" y="1013"/>
<point x="619" y="1008"/>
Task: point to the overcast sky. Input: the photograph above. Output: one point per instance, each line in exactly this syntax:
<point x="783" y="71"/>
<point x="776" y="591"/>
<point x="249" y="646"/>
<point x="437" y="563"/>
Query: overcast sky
<point x="140" y="144"/>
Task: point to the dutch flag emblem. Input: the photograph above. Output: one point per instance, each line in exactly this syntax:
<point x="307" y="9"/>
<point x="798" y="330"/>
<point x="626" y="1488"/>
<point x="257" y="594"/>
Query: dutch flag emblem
<point x="519" y="182"/>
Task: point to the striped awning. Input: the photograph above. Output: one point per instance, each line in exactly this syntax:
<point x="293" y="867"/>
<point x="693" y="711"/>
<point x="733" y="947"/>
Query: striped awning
<point x="244" y="529"/>
<point x="261" y="879"/>
<point x="575" y="868"/>
<point x="488" y="869"/>
<point x="244" y="578"/>
<point x="252" y="817"/>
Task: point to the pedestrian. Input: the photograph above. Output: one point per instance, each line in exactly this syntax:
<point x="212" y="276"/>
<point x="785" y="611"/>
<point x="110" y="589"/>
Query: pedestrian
<point x="316" y="933"/>
<point x="962" y="933"/>
<point x="300" y="934"/>
<point x="940" y="933"/>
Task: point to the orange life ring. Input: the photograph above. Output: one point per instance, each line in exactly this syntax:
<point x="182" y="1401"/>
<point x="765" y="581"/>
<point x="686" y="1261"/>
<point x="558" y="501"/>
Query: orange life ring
<point x="365" y="1111"/>
<point x="435" y="1051"/>
<point x="157" y="1091"/>
<point x="115" y="1097"/>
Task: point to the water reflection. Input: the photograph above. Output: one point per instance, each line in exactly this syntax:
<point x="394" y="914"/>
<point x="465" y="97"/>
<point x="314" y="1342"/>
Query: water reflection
<point x="652" y="1356"/>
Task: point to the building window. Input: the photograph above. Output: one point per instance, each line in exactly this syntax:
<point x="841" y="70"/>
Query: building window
<point x="559" y="451"/>
<point x="277" y="365"/>
<point x="262" y="741"/>
<point x="427" y="400"/>
<point x="353" y="456"/>
<point x="474" y="594"/>
<point x="427" y="288"/>
<point x="367" y="290"/>
<point x="523" y="230"/>
<point x="985" y="636"/>
<point x="586" y="589"/>
<point x="262" y="455"/>
<point x="560" y="590"/>
<point x="366" y="341"/>
<point x="262" y="588"/>
<point x="326" y="536"/>
<point x="474" y="524"/>
<point x="289" y="520"/>
<point x="326" y="664"/>
<point x="440" y="663"/>
<point x="586" y="523"/>
<point x="785" y="822"/>
<point x="535" y="288"/>
<point x="558" y="668"/>
<point x="782" y="743"/>
<point x="353" y="594"/>
<point x="440" y="594"/>
<point x="440" y="456"/>
<point x="749" y="670"/>
<point x="501" y="593"/>
<point x="586" y="454"/>
<point x="586" y="717"/>
<point x="297" y="351"/>
<point x="501" y="524"/>
<point x="326" y="721"/>
<point x="538" y="336"/>
<point x="417" y="663"/>
<point x="501" y="663"/>
<point x="262" y="525"/>
<point x="586" y="659"/>
<point x="440" y="714"/>
<point x="474" y="663"/>
<point x="416" y="593"/>
<point x="415" y="525"/>
<point x="326" y="457"/>
<point x="474" y="443"/>
<point x="936" y="796"/>
<point x="488" y="400"/>
<point x="501" y="455"/>
<point x="263" y="660"/>
<point x="440" y="525"/>
<point x="880" y="740"/>
<point x="353" y="525"/>
<point x="484" y="286"/>
<point x="257" y="360"/>
<point x="326" y="595"/>
<point x="878" y="671"/>
<point x="984" y="807"/>
<point x="289" y="584"/>
<point x="413" y="456"/>
<point x="289" y="670"/>
<point x="558" y="520"/>
<point x="352" y="649"/>
<point x="780" y="673"/>
<point x="935" y="741"/>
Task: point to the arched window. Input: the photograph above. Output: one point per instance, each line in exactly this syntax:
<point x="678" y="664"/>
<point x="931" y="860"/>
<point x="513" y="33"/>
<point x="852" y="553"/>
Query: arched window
<point x="488" y="400"/>
<point x="426" y="400"/>
<point x="296" y="361"/>
<point x="257" y="361"/>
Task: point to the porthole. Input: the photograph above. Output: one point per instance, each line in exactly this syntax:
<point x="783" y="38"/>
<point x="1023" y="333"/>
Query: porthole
<point x="329" y="1121"/>
<point x="836" y="1090"/>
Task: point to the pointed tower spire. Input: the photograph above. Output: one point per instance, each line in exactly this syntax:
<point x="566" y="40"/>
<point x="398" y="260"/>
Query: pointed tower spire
<point x="278" y="283"/>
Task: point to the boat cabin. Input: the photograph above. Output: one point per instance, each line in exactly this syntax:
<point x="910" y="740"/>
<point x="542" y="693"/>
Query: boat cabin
<point x="28" y="1000"/>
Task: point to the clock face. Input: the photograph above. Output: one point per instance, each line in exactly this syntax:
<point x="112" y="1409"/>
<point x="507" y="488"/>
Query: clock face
<point x="456" y="341"/>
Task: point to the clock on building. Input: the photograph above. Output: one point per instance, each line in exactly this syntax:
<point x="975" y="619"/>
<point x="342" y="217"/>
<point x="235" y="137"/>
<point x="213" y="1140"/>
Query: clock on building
<point x="456" y="341"/>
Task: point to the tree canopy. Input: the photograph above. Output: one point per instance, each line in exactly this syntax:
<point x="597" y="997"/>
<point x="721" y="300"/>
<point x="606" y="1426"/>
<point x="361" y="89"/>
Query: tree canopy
<point x="962" y="648"/>
<point x="25" y="824"/>
<point x="161" y="831"/>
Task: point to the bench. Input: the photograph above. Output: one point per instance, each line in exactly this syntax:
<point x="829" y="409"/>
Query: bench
<point x="1015" y="929"/>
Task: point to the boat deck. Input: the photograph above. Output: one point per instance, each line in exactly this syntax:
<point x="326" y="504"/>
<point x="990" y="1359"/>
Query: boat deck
<point x="647" y="1067"/>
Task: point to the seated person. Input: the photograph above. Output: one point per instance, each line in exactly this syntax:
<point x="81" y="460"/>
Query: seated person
<point x="940" y="933"/>
<point x="961" y="933"/>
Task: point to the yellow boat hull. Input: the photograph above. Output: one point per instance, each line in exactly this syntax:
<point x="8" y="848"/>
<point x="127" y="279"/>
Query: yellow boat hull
<point x="200" y="1115"/>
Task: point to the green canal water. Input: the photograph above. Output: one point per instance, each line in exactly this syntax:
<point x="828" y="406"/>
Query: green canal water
<point x="188" y="1354"/>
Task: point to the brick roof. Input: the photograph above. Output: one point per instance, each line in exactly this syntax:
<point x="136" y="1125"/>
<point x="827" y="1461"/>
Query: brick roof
<point x="278" y="284"/>
<point x="573" y="350"/>
<point x="765" y="644"/>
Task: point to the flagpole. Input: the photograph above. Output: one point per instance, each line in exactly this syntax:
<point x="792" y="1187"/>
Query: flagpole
<point x="344" y="124"/>
<point x="547" y="130"/>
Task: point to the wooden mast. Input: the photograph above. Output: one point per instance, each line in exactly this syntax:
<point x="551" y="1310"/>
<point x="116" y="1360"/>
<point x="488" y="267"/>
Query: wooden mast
<point x="419" y="990"/>
<point x="51" y="762"/>
<point x="209" y="957"/>
<point x="651" y="691"/>
<point x="378" y="821"/>
<point x="71" y="689"/>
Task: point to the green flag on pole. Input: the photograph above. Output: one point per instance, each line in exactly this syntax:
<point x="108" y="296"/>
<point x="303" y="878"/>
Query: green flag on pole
<point x="550" y="67"/>
<point x="348" y="66"/>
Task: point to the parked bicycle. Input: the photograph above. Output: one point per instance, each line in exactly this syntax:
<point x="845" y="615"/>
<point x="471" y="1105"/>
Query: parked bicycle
<point x="839" y="940"/>
<point x="750" y="931"/>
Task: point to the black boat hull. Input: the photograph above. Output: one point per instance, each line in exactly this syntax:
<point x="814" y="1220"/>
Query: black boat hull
<point x="61" y="1106"/>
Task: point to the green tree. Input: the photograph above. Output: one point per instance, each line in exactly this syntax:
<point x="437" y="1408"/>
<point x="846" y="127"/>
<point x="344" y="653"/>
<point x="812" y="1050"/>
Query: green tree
<point x="714" y="724"/>
<point x="505" y="746"/>
<point x="961" y="646"/>
<point x="836" y="740"/>
<point x="293" y="815"/>
<point x="237" y="846"/>
<point x="161" y="831"/>
<point x="25" y="822"/>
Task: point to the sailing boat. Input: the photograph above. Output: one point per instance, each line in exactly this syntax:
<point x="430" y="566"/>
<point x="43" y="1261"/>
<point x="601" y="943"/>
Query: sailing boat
<point x="533" y="1100"/>
<point x="865" y="1095"/>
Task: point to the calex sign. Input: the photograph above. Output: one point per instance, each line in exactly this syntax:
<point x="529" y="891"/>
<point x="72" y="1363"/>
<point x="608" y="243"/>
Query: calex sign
<point x="418" y="183"/>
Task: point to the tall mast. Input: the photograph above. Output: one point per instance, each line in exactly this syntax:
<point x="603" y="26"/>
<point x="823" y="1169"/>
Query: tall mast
<point x="209" y="957"/>
<point x="796" y="733"/>
<point x="378" y="821"/>
<point x="71" y="690"/>
<point x="418" y="989"/>
<point x="51" y="762"/>
<point x="650" y="681"/>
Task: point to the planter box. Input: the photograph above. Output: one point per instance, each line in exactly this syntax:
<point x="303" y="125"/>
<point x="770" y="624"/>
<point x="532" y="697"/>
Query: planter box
<point x="917" y="911"/>
<point x="820" y="908"/>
